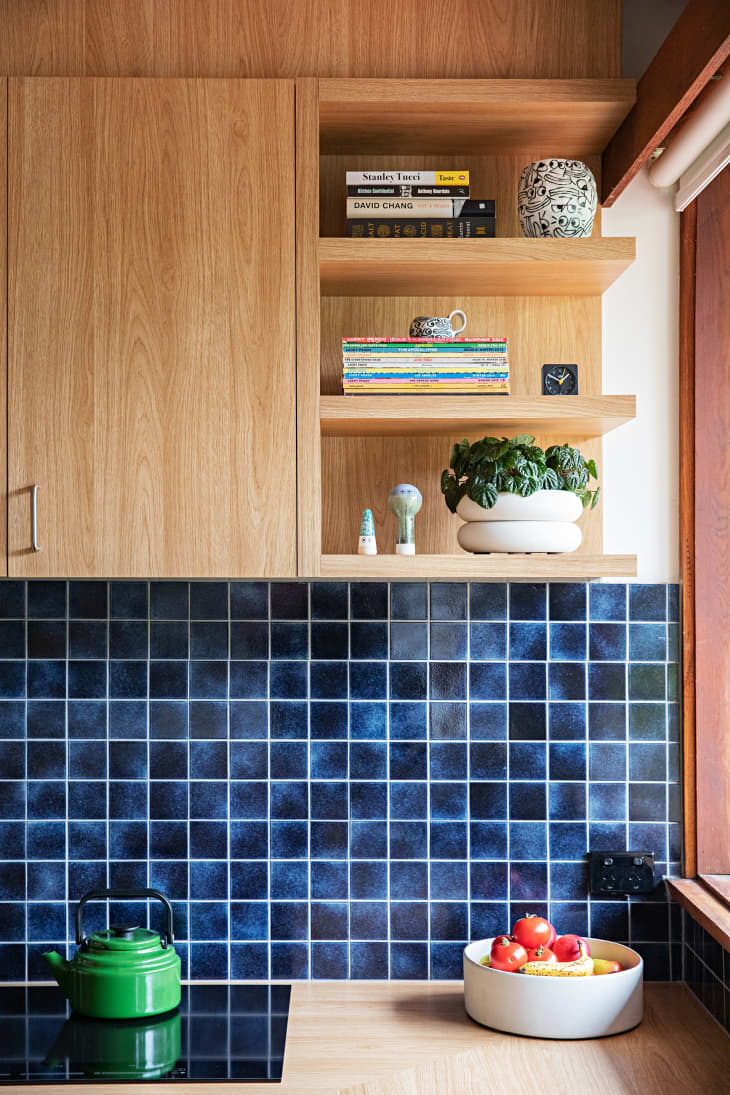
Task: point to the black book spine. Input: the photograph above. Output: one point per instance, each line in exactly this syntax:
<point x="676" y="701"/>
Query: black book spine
<point x="415" y="227"/>
<point x="394" y="190"/>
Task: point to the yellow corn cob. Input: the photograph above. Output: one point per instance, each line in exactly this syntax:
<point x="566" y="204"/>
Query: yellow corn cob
<point x="583" y="967"/>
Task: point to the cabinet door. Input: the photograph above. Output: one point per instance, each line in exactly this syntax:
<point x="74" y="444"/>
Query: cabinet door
<point x="151" y="327"/>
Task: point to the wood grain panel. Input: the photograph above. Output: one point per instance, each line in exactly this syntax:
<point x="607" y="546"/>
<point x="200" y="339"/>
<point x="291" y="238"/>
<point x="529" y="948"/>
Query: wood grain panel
<point x="687" y="274"/>
<point x="278" y="38"/>
<point x="152" y="327"/>
<point x="692" y="52"/>
<point x="495" y="567"/>
<point x="704" y="906"/>
<point x="3" y="325"/>
<point x="712" y="519"/>
<point x="490" y="177"/>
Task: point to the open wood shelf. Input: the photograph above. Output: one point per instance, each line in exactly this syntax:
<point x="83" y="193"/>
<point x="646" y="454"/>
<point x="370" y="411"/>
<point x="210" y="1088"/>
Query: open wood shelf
<point x="573" y="118"/>
<point x="577" y="417"/>
<point x="571" y="566"/>
<point x="491" y="267"/>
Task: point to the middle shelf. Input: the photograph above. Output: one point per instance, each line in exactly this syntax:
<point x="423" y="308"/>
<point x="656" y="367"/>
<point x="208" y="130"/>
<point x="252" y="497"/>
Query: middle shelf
<point x="580" y="416"/>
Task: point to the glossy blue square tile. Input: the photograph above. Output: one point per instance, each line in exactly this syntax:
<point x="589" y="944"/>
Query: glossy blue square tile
<point x="209" y="961"/>
<point x="488" y="801"/>
<point x="527" y="801"/>
<point x="328" y="680"/>
<point x="488" y="918"/>
<point x="289" y="961"/>
<point x="607" y="642"/>
<point x="369" y="600"/>
<point x="607" y="761"/>
<point x="448" y="600"/>
<point x="208" y="719"/>
<point x="44" y="761"/>
<point x="487" y="681"/>
<point x="527" y="681"/>
<point x="368" y="640"/>
<point x="650" y="836"/>
<point x="408" y="720"/>
<point x="168" y="680"/>
<point x="128" y="799"/>
<point x="128" y="839"/>
<point x="647" y="722"/>
<point x="408" y="801"/>
<point x="289" y="640"/>
<point x="329" y="601"/>
<point x="488" y="760"/>
<point x="249" y="760"/>
<point x="46" y="639"/>
<point x="527" y="760"/>
<point x="567" y="600"/>
<point x="528" y="840"/>
<point x="408" y="601"/>
<point x="448" y="760"/>
<point x="647" y="602"/>
<point x="368" y="680"/>
<point x="168" y="719"/>
<point x="169" y="760"/>
<point x="288" y="680"/>
<point x="329" y="839"/>
<point x="448" y="641"/>
<point x="647" y="761"/>
<point x="408" y="961"/>
<point x="328" y="719"/>
<point x="169" y="600"/>
<point x="288" y="759"/>
<point x="248" y="799"/>
<point x="448" y="920"/>
<point x="369" y="800"/>
<point x="368" y="760"/>
<point x="647" y="642"/>
<point x="528" y="881"/>
<point x="408" y="640"/>
<point x="45" y="840"/>
<point x="488" y="600"/>
<point x="447" y="721"/>
<point x="208" y="839"/>
<point x="87" y="639"/>
<point x="208" y="639"/>
<point x="330" y="961"/>
<point x="527" y="601"/>
<point x="606" y="721"/>
<point x="450" y="880"/>
<point x="489" y="882"/>
<point x="209" y="799"/>
<point x="12" y="720"/>
<point x="607" y="681"/>
<point x="328" y="920"/>
<point x="127" y="760"/>
<point x="46" y="719"/>
<point x="369" y="879"/>
<point x="249" y="680"/>
<point x="568" y="840"/>
<point x="87" y="600"/>
<point x="408" y="880"/>
<point x="610" y="920"/>
<point x="87" y="719"/>
<point x="368" y="721"/>
<point x="46" y="679"/>
<point x="647" y="682"/>
<point x="368" y="920"/>
<point x="607" y="602"/>
<point x="129" y="600"/>
<point x="13" y="798"/>
<point x="647" y="801"/>
<point x="567" y="761"/>
<point x="329" y="881"/>
<point x="408" y="680"/>
<point x="249" y="880"/>
<point x="567" y="641"/>
<point x="527" y="641"/>
<point x="208" y="601"/>
<point x="86" y="800"/>
<point x="46" y="600"/>
<point x="208" y="680"/>
<point x="289" y="601"/>
<point x="87" y="840"/>
<point x="128" y="639"/>
<point x="289" y="719"/>
<point x="169" y="639"/>
<point x="409" y="920"/>
<point x="289" y="880"/>
<point x="574" y="914"/>
<point x="249" y="920"/>
<point x="488" y="721"/>
<point x="607" y="834"/>
<point x="369" y="840"/>
<point x="408" y="760"/>
<point x="46" y="921"/>
<point x="408" y="840"/>
<point x="567" y="801"/>
<point x="488" y="641"/>
<point x="448" y="681"/>
<point x="45" y="881"/>
<point x="369" y="961"/>
<point x="527" y="721"/>
<point x="87" y="680"/>
<point x="448" y="803"/>
<point x="328" y="760"/>
<point x="329" y="801"/>
<point x="12" y="638"/>
<point x="567" y="721"/>
<point x="250" y="600"/>
<point x="12" y="599"/>
<point x="249" y="639"/>
<point x="248" y="719"/>
<point x="128" y="680"/>
<point x="329" y="641"/>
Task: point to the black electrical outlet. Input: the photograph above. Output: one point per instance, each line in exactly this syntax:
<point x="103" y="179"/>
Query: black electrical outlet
<point x="622" y="872"/>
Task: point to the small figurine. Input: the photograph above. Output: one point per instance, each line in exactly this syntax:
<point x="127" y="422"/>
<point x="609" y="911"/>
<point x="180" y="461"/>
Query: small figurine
<point x="366" y="545"/>
<point x="405" y="501"/>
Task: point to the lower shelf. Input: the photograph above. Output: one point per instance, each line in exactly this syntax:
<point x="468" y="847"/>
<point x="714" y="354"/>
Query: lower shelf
<point x="475" y="567"/>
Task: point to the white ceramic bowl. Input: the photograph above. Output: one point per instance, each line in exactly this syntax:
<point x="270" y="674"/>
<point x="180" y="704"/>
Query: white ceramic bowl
<point x="543" y="505"/>
<point x="481" y="537"/>
<point x="556" y="1007"/>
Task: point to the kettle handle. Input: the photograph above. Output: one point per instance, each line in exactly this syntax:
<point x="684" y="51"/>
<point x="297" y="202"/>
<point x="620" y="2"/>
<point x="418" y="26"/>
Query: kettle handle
<point x="125" y="895"/>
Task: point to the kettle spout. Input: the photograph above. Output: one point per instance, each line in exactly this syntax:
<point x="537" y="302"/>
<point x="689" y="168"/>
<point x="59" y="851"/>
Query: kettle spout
<point x="59" y="967"/>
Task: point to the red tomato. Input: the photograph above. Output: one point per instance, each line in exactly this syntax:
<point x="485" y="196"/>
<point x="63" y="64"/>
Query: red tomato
<point x="553" y="937"/>
<point x="569" y="948"/>
<point x="541" y="954"/>
<point x="533" y="931"/>
<point x="507" y="955"/>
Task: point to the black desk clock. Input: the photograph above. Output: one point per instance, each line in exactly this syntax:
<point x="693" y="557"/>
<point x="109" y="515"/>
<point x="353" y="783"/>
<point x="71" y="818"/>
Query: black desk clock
<point x="560" y="380"/>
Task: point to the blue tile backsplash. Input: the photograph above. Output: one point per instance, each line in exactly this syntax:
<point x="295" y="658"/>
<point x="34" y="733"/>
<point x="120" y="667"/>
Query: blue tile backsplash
<point x="334" y="780"/>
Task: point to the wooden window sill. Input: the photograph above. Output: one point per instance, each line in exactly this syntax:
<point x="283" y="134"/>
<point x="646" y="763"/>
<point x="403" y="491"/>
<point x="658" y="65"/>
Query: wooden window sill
<point x="706" y="900"/>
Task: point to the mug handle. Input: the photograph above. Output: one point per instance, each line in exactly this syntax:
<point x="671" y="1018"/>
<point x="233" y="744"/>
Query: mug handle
<point x="457" y="312"/>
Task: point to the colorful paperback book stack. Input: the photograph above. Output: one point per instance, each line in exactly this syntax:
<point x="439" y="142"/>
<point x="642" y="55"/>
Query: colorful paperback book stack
<point x="409" y="204"/>
<point x="458" y="366"/>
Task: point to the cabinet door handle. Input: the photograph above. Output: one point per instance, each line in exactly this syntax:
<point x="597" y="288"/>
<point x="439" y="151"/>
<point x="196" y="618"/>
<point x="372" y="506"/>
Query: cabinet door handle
<point x="34" y="518"/>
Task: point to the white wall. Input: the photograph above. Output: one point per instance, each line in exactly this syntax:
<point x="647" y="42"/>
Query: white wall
<point x="640" y="354"/>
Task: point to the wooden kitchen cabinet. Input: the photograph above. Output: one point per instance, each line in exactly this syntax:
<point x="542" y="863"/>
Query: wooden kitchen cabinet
<point x="151" y="327"/>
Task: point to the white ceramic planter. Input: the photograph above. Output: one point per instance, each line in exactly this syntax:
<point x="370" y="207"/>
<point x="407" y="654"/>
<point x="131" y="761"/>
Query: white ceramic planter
<point x="544" y="505"/>
<point x="481" y="537"/>
<point x="556" y="1007"/>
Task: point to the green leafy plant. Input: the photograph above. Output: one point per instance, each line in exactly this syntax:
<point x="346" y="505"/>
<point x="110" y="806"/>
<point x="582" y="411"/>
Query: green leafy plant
<point x="516" y="466"/>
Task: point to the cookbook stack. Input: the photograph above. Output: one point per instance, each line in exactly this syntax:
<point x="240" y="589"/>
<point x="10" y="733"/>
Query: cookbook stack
<point x="423" y="366"/>
<point x="409" y="204"/>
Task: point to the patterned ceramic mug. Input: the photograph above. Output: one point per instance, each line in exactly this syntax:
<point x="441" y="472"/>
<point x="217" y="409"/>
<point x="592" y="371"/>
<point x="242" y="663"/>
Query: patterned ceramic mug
<point x="436" y="326"/>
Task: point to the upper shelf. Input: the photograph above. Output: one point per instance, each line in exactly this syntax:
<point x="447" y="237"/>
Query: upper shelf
<point x="580" y="416"/>
<point x="574" y="118"/>
<point x="492" y="267"/>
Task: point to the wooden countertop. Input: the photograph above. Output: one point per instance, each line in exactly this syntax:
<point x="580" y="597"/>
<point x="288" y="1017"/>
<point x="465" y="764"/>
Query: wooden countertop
<point x="414" y="1038"/>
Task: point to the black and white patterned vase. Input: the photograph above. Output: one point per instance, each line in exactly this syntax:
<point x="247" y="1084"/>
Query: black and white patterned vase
<point x="557" y="198"/>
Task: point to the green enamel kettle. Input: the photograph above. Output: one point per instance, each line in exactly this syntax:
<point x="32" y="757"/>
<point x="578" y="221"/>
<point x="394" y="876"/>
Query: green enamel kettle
<point x="122" y="1049"/>
<point x="122" y="972"/>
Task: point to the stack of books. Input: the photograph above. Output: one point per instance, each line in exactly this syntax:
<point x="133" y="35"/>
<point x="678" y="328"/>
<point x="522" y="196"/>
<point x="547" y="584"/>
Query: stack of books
<point x="423" y="366"/>
<point x="409" y="204"/>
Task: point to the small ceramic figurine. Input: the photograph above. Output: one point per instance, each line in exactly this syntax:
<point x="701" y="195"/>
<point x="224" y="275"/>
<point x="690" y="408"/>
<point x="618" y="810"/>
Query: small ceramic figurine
<point x="405" y="501"/>
<point x="437" y="326"/>
<point x="366" y="544"/>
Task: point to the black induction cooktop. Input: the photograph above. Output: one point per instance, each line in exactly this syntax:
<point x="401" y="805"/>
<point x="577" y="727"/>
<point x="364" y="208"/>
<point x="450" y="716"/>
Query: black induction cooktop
<point x="219" y="1034"/>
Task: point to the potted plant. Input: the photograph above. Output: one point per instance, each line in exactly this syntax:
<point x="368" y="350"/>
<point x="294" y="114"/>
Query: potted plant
<point x="516" y="497"/>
